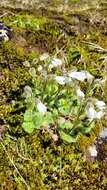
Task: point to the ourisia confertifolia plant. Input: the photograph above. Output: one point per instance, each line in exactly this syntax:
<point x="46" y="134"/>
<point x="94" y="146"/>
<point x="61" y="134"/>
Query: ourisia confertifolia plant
<point x="57" y="101"/>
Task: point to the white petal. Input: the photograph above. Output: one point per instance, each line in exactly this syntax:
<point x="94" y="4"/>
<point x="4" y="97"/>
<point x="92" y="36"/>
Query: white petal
<point x="60" y="80"/>
<point x="44" y="56"/>
<point x="99" y="114"/>
<point x="100" y="104"/>
<point x="91" y="113"/>
<point x="56" y="62"/>
<point x="32" y="71"/>
<point x="92" y="150"/>
<point x="80" y="93"/>
<point x="81" y="76"/>
<point x="26" y="63"/>
<point x="40" y="68"/>
<point x="77" y="75"/>
<point x="89" y="77"/>
<point x="68" y="80"/>
<point x="103" y="134"/>
<point x="41" y="107"/>
<point x="27" y="91"/>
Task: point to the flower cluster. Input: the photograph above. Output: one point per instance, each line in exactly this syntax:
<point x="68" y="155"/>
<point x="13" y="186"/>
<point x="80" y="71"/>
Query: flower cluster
<point x="58" y="94"/>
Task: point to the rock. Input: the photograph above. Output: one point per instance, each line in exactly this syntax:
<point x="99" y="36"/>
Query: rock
<point x="5" y="32"/>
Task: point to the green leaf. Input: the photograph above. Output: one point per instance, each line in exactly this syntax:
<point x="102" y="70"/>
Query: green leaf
<point x="32" y="120"/>
<point x="67" y="138"/>
<point x="28" y="127"/>
<point x="48" y="119"/>
<point x="64" y="124"/>
<point x="64" y="106"/>
<point x="88" y="128"/>
<point x="37" y="119"/>
<point x="28" y="116"/>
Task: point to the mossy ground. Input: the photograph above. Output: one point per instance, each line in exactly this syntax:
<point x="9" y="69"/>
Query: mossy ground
<point x="35" y="161"/>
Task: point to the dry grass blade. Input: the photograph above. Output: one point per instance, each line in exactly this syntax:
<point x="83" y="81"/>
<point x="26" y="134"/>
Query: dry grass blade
<point x="96" y="47"/>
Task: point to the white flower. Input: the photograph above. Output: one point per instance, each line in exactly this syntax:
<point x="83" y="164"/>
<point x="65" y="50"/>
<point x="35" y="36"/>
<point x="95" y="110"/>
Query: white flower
<point x="92" y="150"/>
<point x="69" y="81"/>
<point x="89" y="77"/>
<point x="32" y="71"/>
<point x="100" y="104"/>
<point x="103" y="134"/>
<point x="41" y="107"/>
<point x="26" y="63"/>
<point x="93" y="114"/>
<point x="40" y="68"/>
<point x="55" y="63"/>
<point x="81" y="76"/>
<point x="99" y="114"/>
<point x="60" y="80"/>
<point x="27" y="91"/>
<point x="44" y="56"/>
<point x="104" y="80"/>
<point x="80" y="93"/>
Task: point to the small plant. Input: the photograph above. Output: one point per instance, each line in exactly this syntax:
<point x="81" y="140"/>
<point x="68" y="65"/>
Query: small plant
<point x="58" y="102"/>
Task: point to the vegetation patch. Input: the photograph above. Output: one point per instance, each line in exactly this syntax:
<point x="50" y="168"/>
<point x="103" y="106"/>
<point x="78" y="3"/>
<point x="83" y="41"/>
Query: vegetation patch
<point x="53" y="98"/>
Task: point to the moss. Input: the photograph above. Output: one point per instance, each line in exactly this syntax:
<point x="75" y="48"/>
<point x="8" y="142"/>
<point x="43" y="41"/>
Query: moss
<point x="25" y="21"/>
<point x="50" y="167"/>
<point x="14" y="78"/>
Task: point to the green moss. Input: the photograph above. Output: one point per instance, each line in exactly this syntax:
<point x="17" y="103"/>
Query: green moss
<point x="25" y="21"/>
<point x="48" y="166"/>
